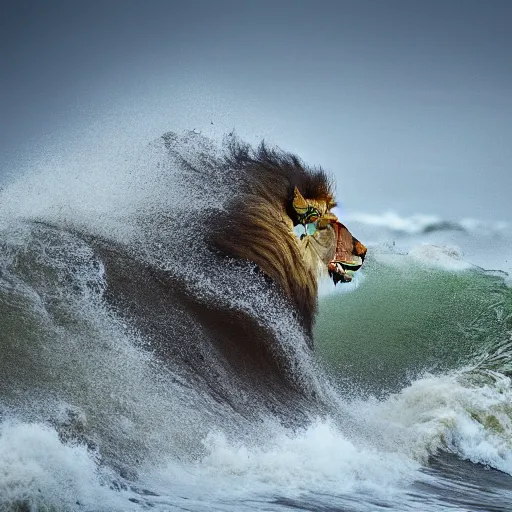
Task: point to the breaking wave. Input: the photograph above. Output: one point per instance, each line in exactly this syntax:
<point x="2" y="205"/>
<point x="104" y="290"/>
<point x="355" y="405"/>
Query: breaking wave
<point x="408" y="387"/>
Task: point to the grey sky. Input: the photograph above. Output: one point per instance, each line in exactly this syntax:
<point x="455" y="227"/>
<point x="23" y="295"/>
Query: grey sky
<point x="408" y="102"/>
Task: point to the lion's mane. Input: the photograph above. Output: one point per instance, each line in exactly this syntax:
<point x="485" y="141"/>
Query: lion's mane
<point x="259" y="224"/>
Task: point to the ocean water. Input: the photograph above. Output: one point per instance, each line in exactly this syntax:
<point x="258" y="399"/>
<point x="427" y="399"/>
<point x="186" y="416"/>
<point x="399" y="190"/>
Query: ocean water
<point x="412" y="361"/>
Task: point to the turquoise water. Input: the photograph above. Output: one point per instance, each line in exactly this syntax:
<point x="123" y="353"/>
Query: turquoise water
<point x="407" y="318"/>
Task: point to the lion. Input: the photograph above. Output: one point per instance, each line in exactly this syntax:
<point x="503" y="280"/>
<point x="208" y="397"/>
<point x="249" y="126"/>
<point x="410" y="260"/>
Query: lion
<point x="282" y="221"/>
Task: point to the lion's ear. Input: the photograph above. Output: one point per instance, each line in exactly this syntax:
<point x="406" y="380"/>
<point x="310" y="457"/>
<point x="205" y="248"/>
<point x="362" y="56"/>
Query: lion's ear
<point x="299" y="203"/>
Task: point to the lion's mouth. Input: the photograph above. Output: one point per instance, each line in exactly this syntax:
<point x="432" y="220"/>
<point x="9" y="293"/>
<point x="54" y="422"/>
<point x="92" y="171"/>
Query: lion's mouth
<point x="348" y="257"/>
<point x="343" y="271"/>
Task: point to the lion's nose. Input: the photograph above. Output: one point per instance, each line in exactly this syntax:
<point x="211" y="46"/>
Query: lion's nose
<point x="359" y="248"/>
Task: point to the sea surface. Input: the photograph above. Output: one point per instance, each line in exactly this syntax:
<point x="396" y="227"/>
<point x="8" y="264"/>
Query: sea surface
<point x="412" y="361"/>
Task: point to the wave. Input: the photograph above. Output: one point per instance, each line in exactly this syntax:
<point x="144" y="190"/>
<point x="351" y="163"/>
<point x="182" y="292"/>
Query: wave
<point x="423" y="351"/>
<point x="411" y="364"/>
<point x="425" y="310"/>
<point x="434" y="241"/>
<point x="124" y="331"/>
<point x="465" y="412"/>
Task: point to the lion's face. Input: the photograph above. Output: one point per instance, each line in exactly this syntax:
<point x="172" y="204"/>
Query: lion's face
<point x="324" y="241"/>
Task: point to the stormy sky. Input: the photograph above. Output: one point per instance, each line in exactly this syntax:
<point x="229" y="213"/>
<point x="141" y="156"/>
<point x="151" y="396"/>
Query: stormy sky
<point x="408" y="103"/>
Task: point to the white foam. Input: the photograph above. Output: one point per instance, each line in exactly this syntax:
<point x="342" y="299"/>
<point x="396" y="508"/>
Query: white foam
<point x="318" y="459"/>
<point x="445" y="257"/>
<point x="447" y="412"/>
<point x="37" y="467"/>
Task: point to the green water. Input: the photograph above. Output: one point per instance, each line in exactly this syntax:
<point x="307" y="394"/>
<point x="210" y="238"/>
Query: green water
<point x="405" y="319"/>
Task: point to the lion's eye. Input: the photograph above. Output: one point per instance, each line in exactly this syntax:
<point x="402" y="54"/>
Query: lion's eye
<point x="311" y="215"/>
